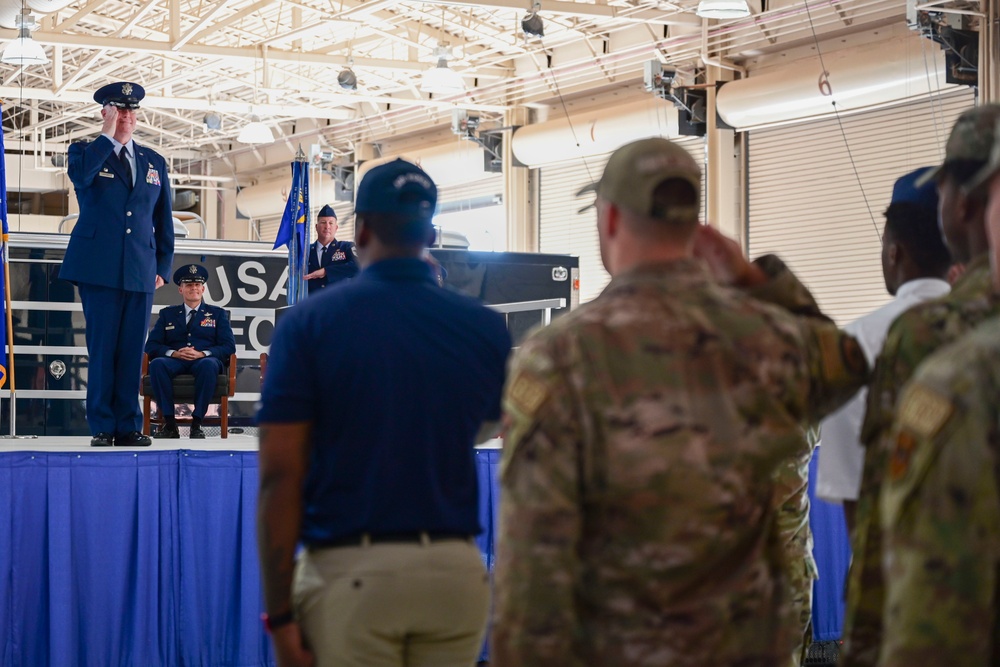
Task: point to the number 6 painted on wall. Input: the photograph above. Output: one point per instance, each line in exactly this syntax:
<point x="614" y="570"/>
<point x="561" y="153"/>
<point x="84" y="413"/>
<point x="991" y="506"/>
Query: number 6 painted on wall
<point x="824" y="84"/>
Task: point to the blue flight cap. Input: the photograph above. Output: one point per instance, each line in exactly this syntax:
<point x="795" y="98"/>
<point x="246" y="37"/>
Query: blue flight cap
<point x="122" y="94"/>
<point x="398" y="187"/>
<point x="326" y="212"/>
<point x="907" y="191"/>
<point x="191" y="273"/>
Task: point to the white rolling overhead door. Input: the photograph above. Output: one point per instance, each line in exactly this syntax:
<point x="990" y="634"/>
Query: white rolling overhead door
<point x="490" y="186"/>
<point x="563" y="231"/>
<point x="807" y="204"/>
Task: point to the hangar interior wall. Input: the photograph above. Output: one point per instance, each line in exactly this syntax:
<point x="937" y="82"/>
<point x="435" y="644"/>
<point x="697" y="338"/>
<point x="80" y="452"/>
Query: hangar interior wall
<point x="818" y="191"/>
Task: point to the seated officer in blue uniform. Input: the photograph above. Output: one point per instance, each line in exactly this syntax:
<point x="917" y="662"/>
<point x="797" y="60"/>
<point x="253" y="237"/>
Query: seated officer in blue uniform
<point x="193" y="338"/>
<point x="120" y="251"/>
<point x="330" y="260"/>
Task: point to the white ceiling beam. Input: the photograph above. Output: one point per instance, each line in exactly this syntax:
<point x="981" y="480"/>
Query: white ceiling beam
<point x="583" y="10"/>
<point x="194" y="104"/>
<point x="80" y="13"/>
<point x="243" y="53"/>
<point x="202" y="22"/>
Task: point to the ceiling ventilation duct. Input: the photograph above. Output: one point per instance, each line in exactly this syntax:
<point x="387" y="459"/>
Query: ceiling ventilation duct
<point x="857" y="78"/>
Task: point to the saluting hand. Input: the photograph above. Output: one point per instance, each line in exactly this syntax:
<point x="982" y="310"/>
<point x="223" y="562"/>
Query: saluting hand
<point x="725" y="258"/>
<point x="110" y="115"/>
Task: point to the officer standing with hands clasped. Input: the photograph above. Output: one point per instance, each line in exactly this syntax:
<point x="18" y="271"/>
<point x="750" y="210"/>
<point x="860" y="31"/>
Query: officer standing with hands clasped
<point x="193" y="338"/>
<point x="330" y="260"/>
<point x="119" y="252"/>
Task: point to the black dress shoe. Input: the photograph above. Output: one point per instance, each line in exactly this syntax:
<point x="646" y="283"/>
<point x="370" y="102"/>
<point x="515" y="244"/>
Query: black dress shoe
<point x="167" y="432"/>
<point x="102" y="440"/>
<point x="197" y="433"/>
<point x="133" y="439"/>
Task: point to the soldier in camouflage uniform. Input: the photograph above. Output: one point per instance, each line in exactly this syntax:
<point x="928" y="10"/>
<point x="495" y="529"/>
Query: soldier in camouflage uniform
<point x="644" y="433"/>
<point x="913" y="337"/>
<point x="791" y="484"/>
<point x="940" y="505"/>
<point x="941" y="511"/>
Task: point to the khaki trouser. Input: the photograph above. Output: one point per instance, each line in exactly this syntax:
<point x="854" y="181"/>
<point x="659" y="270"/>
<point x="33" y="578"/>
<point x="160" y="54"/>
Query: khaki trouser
<point x="393" y="605"/>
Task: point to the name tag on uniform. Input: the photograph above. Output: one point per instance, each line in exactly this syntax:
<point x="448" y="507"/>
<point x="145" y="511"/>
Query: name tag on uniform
<point x="105" y="174"/>
<point x="152" y="176"/>
<point x="339" y="256"/>
<point x="170" y="326"/>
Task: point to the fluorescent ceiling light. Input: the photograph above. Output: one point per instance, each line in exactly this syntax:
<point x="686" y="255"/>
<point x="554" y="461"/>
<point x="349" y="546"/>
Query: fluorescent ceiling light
<point x="255" y="132"/>
<point x="723" y="9"/>
<point x="23" y="50"/>
<point x="441" y="79"/>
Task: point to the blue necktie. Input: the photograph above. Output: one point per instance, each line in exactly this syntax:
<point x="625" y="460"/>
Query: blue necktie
<point x="123" y="158"/>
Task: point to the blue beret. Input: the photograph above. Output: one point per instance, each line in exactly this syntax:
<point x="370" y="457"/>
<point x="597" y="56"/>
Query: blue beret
<point x="191" y="273"/>
<point x="326" y="212"/>
<point x="122" y="94"/>
<point x="915" y="189"/>
<point x="399" y="187"/>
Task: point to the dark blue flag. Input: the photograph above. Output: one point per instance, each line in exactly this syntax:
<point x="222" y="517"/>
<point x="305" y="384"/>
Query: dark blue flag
<point x="3" y="268"/>
<point x="293" y="232"/>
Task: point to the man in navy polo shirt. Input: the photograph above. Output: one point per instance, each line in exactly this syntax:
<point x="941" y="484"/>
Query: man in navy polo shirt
<point x="382" y="490"/>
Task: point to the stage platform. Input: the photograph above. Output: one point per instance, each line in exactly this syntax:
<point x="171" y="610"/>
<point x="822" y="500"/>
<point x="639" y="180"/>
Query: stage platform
<point x="117" y="556"/>
<point x="235" y="442"/>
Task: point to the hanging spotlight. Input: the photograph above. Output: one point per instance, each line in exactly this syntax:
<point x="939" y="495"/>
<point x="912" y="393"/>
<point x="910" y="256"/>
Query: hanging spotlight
<point x="441" y="79"/>
<point x="531" y="24"/>
<point x="347" y="79"/>
<point x="23" y="50"/>
<point x="212" y="120"/>
<point x="723" y="9"/>
<point x="255" y="132"/>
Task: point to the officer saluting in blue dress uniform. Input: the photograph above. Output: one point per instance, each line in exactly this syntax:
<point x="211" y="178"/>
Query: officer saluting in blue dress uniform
<point x="329" y="260"/>
<point x="120" y="251"/>
<point x="193" y="338"/>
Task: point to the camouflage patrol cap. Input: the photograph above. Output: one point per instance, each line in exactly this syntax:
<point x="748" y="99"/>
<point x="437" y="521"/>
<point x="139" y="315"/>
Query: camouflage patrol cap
<point x="636" y="169"/>
<point x="985" y="175"/>
<point x="970" y="140"/>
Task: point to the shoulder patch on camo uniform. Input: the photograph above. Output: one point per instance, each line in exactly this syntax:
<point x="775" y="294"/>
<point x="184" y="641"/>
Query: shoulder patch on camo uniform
<point x="839" y="352"/>
<point x="527" y="393"/>
<point x="924" y="411"/>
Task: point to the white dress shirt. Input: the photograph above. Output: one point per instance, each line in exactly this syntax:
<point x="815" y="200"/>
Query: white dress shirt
<point x="841" y="455"/>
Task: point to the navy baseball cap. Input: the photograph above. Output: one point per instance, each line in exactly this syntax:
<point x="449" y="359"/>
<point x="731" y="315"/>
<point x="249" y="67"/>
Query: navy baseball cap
<point x="191" y="273"/>
<point x="398" y="187"/>
<point x="122" y="94"/>
<point x="907" y="191"/>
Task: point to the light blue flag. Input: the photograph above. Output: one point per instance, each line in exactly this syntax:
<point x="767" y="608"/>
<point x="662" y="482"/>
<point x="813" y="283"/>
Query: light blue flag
<point x="293" y="231"/>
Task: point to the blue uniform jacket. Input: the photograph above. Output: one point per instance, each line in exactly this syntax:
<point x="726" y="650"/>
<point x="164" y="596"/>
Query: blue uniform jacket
<point x="340" y="262"/>
<point x="210" y="331"/>
<point x="124" y="237"/>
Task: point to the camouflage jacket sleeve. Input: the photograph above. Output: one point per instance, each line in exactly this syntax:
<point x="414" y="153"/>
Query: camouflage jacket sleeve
<point x="537" y="564"/>
<point x="939" y="507"/>
<point x="837" y="367"/>
<point x="784" y="289"/>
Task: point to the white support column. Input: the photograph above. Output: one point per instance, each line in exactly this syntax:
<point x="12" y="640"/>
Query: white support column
<point x="989" y="53"/>
<point x="725" y="182"/>
<point x="519" y="192"/>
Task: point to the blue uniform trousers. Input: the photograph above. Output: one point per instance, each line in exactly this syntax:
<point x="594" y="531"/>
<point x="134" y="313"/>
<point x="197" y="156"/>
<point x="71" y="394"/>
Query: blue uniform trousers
<point x="117" y="321"/>
<point x="163" y="370"/>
